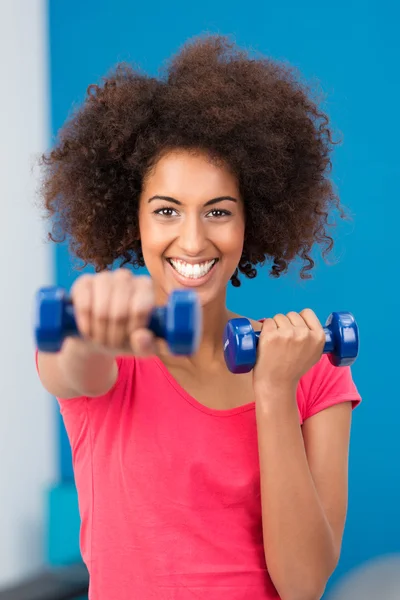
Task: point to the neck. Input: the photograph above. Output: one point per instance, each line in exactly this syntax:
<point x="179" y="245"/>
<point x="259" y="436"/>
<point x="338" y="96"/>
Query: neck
<point x="215" y="315"/>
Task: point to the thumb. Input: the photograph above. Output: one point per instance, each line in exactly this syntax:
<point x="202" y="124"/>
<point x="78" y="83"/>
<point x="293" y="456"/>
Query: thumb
<point x="142" y="342"/>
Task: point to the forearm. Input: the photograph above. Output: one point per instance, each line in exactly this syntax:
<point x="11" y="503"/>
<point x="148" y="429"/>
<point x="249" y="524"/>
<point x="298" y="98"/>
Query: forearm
<point x="298" y="540"/>
<point x="78" y="370"/>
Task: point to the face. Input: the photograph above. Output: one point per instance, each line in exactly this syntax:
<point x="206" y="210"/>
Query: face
<point x="191" y="221"/>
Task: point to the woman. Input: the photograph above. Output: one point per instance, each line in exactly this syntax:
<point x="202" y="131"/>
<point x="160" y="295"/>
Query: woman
<point x="194" y="482"/>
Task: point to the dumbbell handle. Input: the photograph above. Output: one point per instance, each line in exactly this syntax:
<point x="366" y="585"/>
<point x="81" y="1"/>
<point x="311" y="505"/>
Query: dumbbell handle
<point x="241" y="341"/>
<point x="329" y="340"/>
<point x="179" y="322"/>
<point x="157" y="322"/>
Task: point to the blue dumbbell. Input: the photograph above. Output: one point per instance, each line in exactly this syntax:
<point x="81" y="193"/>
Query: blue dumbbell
<point x="179" y="322"/>
<point x="341" y="346"/>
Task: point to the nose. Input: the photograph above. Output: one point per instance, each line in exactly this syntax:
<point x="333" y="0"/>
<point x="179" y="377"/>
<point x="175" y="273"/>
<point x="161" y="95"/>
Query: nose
<point x="192" y="235"/>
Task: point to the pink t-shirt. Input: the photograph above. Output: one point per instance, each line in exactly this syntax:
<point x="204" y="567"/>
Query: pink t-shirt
<point x="169" y="490"/>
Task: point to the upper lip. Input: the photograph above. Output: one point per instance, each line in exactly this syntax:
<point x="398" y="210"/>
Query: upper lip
<point x="191" y="261"/>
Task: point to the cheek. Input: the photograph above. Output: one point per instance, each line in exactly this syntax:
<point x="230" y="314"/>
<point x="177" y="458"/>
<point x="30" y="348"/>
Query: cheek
<point x="152" y="237"/>
<point x="231" y="239"/>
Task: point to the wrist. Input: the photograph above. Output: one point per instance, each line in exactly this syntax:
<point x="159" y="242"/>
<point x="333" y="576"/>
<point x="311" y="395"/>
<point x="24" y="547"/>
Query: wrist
<point x="272" y="397"/>
<point x="270" y="388"/>
<point x="82" y="348"/>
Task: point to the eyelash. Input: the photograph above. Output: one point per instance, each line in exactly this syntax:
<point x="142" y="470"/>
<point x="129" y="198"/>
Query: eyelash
<point x="159" y="211"/>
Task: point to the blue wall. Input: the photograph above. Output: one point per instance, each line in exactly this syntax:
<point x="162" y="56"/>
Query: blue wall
<point x="352" y="47"/>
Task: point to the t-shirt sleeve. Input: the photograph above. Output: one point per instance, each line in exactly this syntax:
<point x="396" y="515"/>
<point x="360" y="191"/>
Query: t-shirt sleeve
<point x="326" y="385"/>
<point x="75" y="411"/>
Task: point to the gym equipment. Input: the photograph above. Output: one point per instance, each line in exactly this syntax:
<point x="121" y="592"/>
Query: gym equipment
<point x="341" y="346"/>
<point x="179" y="322"/>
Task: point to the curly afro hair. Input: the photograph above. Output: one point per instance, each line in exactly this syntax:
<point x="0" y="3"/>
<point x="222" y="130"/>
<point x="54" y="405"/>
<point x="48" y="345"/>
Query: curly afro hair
<point x="253" y="114"/>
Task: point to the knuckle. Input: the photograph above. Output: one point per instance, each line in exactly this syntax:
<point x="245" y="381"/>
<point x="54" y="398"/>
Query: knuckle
<point x="143" y="299"/>
<point x="122" y="275"/>
<point x="140" y="312"/>
<point x="302" y="334"/>
<point x="288" y="334"/>
<point x="82" y="307"/>
<point x="136" y="341"/>
<point x="268" y="327"/>
<point x="272" y="335"/>
<point x="264" y="337"/>
<point x="81" y="283"/>
<point x="292" y="313"/>
<point x="84" y="326"/>
<point x="101" y="278"/>
<point x="268" y="322"/>
<point x="119" y="317"/>
<point x="114" y="338"/>
<point x="101" y="315"/>
<point x="143" y="282"/>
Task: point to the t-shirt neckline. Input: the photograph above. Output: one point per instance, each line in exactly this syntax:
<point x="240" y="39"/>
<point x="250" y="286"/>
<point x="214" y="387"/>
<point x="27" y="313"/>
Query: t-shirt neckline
<point x="222" y="413"/>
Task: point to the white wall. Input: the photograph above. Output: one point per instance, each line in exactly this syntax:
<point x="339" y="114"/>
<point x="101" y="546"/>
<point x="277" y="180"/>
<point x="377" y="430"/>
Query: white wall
<point x="27" y="428"/>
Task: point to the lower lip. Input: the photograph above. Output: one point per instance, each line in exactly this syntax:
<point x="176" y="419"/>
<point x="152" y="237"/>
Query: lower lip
<point x="191" y="281"/>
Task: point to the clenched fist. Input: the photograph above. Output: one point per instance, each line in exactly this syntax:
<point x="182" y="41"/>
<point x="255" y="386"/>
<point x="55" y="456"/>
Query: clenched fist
<point x="288" y="347"/>
<point x="112" y="310"/>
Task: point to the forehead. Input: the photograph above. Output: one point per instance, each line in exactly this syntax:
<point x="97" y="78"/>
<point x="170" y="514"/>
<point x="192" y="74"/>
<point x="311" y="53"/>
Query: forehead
<point x="182" y="173"/>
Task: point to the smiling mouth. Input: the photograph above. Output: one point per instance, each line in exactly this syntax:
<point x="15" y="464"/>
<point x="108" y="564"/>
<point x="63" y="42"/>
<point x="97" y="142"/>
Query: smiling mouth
<point x="192" y="271"/>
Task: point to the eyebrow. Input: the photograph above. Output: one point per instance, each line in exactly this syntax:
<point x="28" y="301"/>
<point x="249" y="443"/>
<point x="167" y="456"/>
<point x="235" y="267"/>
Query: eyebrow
<point x="175" y="201"/>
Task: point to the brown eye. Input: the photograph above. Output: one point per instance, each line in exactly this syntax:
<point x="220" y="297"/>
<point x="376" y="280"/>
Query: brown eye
<point x="217" y="212"/>
<point x="166" y="211"/>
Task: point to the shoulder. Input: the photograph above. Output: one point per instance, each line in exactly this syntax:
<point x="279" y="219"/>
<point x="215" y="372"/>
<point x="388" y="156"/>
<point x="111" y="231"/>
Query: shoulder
<point x="325" y="385"/>
<point x="131" y="372"/>
<point x="135" y="379"/>
<point x="134" y="374"/>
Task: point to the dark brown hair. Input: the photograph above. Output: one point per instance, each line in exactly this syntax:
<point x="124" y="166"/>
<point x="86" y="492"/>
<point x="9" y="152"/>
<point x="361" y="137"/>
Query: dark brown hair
<point x="256" y="115"/>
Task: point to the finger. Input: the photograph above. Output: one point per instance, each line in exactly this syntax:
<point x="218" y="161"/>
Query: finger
<point x="296" y="319"/>
<point x="100" y="309"/>
<point x="142" y="342"/>
<point x="282" y="322"/>
<point x="311" y="319"/>
<point x="121" y="295"/>
<point x="142" y="303"/>
<point x="269" y="325"/>
<point x="81" y="296"/>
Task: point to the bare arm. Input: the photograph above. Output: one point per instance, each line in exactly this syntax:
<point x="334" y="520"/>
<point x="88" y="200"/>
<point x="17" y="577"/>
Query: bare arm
<point x="304" y="493"/>
<point x="112" y="311"/>
<point x="78" y="370"/>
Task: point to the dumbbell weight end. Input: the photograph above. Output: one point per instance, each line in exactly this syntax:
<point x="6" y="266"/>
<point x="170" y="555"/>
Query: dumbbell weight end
<point x="341" y="345"/>
<point x="179" y="322"/>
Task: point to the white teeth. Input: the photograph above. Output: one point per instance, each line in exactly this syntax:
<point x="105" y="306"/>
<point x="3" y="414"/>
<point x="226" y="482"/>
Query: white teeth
<point x="192" y="271"/>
